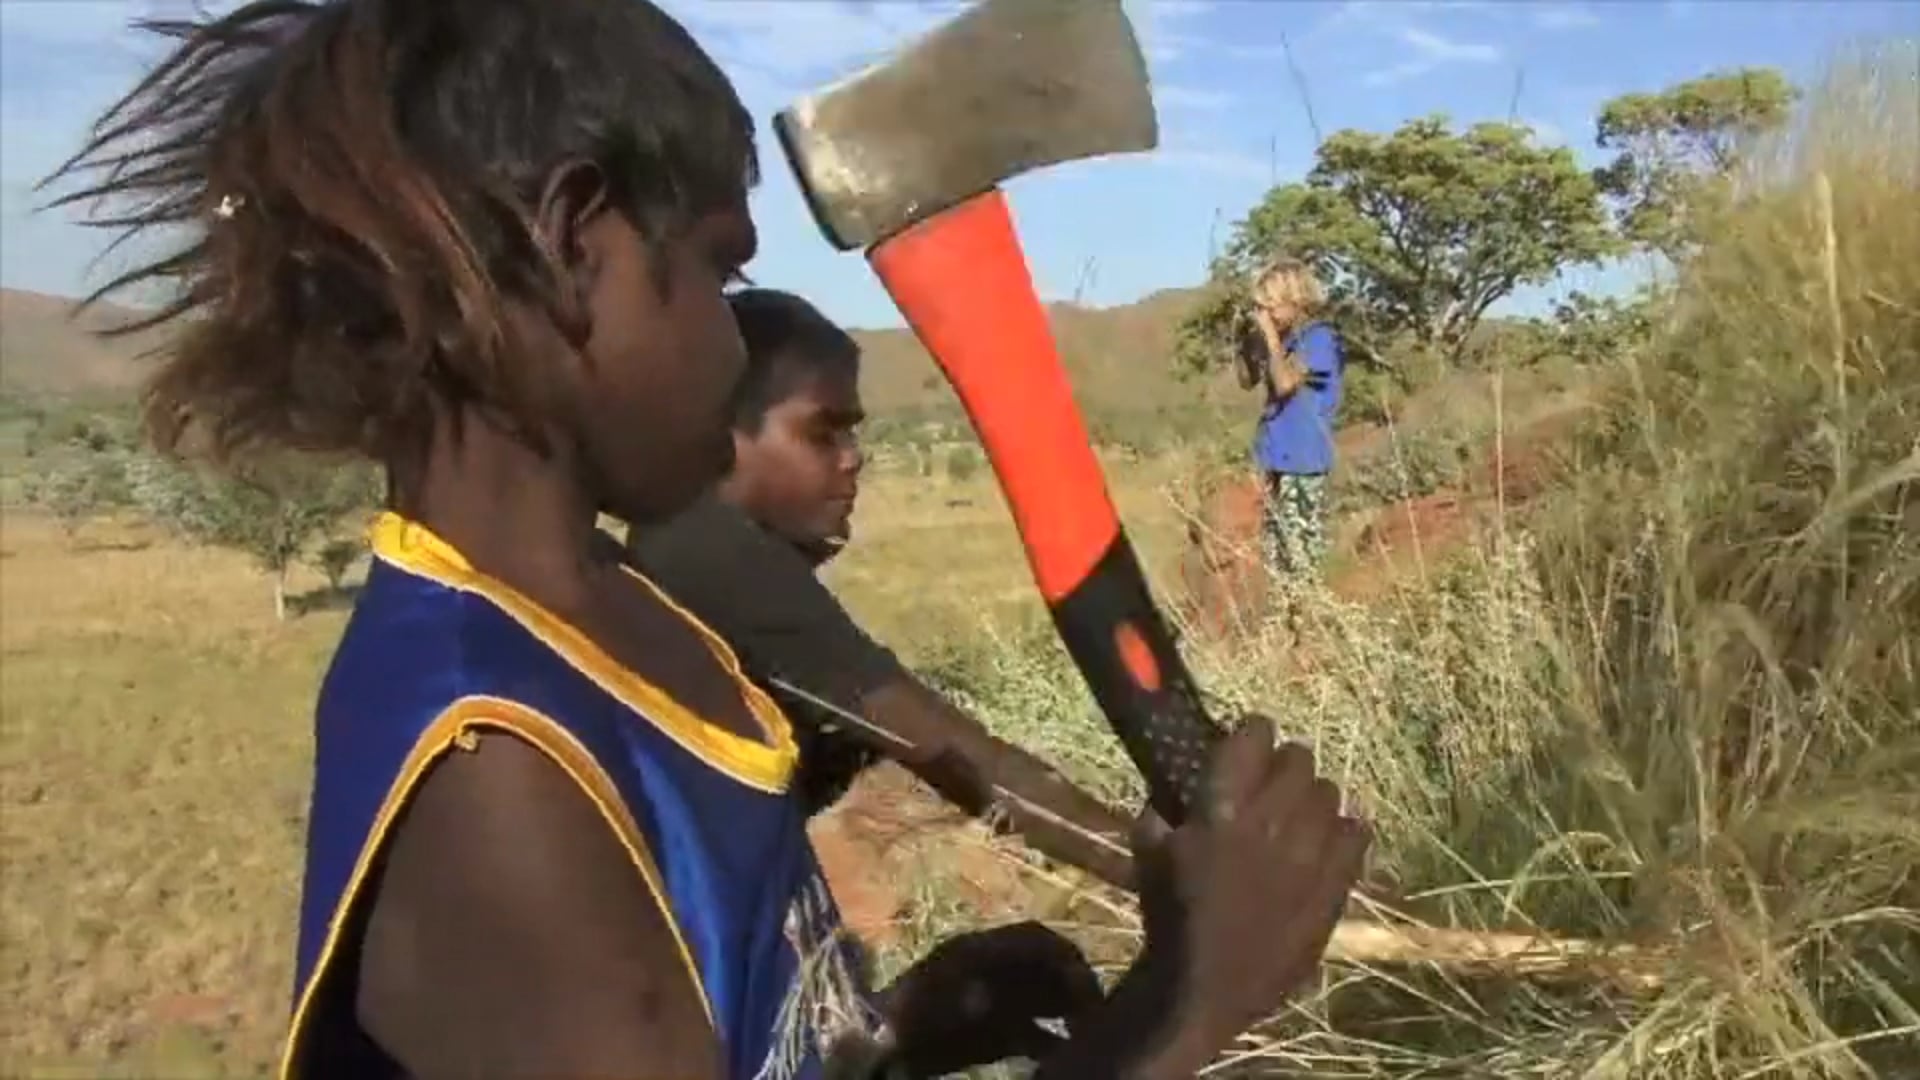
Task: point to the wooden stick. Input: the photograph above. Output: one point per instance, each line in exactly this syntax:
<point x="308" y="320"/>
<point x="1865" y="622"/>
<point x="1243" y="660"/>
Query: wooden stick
<point x="1368" y="943"/>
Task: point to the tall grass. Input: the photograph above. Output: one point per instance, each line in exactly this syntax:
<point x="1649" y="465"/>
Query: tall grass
<point x="1675" y="707"/>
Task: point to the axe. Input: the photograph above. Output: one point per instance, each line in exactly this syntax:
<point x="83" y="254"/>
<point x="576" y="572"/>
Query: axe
<point x="905" y="160"/>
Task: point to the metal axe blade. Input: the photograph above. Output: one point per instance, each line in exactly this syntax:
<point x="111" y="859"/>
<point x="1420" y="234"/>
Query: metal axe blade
<point x="1005" y="88"/>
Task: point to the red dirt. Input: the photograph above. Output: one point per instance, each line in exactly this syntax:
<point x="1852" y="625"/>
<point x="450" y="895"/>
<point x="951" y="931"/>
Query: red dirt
<point x="1225" y="586"/>
<point x="867" y="844"/>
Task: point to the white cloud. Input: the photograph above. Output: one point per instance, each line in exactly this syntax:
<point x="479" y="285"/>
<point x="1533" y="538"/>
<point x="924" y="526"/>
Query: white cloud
<point x="1431" y="51"/>
<point x="1394" y="13"/>
<point x="1275" y="51"/>
<point x="1427" y="49"/>
<point x="778" y="49"/>
<point x="1192" y="97"/>
<point x="1229" y="163"/>
<point x="780" y="45"/>
<point x="1443" y="50"/>
<point x="1565" y="17"/>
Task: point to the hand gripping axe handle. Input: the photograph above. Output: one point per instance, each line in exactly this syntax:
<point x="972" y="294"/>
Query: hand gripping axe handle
<point x="905" y="160"/>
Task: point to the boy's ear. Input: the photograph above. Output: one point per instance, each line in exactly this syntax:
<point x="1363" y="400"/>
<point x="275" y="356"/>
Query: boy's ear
<point x="575" y="195"/>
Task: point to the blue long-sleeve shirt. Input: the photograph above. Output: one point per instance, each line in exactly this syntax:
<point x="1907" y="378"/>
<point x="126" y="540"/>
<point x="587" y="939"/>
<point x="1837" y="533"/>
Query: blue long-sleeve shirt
<point x="1296" y="432"/>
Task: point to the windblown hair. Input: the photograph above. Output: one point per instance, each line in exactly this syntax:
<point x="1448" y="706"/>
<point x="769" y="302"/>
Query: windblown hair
<point x="356" y="180"/>
<point x="1283" y="278"/>
<point x="786" y="338"/>
<point x="1292" y="280"/>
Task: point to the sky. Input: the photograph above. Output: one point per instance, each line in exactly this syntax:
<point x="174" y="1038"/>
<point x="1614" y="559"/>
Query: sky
<point x="1234" y="119"/>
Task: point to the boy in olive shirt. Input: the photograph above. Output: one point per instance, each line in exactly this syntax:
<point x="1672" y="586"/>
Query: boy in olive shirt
<point x="744" y="561"/>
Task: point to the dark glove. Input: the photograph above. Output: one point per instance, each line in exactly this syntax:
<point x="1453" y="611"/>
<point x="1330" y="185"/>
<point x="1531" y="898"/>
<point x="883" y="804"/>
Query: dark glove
<point x="979" y="998"/>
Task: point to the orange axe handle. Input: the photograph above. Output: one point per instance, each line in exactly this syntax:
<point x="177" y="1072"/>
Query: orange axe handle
<point x="961" y="279"/>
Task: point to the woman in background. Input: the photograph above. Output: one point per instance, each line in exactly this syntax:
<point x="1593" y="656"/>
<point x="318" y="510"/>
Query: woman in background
<point x="1296" y="358"/>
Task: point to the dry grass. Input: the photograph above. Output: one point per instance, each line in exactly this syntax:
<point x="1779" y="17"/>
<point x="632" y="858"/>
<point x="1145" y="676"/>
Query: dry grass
<point x="934" y="559"/>
<point x="155" y="762"/>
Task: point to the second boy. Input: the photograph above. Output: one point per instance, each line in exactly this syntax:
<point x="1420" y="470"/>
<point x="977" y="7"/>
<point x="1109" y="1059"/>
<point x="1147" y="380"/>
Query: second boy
<point x="744" y="561"/>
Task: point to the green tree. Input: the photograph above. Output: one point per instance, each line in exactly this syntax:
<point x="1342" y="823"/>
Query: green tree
<point x="59" y="429"/>
<point x="79" y="467"/>
<point x="79" y="485"/>
<point x="1598" y="329"/>
<point x="1416" y="235"/>
<point x="1676" y="151"/>
<point x="270" y="509"/>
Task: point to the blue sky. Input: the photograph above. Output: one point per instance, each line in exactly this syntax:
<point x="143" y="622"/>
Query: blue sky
<point x="1105" y="231"/>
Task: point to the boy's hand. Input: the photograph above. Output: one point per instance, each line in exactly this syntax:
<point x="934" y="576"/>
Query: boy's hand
<point x="978" y="998"/>
<point x="1241" y="900"/>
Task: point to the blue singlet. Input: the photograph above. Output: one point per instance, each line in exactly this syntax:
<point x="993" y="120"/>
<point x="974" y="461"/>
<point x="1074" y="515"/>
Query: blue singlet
<point x="436" y="652"/>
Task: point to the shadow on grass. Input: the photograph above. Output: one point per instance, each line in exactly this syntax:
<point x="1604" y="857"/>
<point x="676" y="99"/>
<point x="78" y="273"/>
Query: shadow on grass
<point x="325" y="598"/>
<point x="101" y="547"/>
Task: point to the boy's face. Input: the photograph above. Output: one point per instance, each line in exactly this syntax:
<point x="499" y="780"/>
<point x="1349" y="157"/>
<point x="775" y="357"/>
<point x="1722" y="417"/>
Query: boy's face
<point x="661" y="368"/>
<point x="799" y="474"/>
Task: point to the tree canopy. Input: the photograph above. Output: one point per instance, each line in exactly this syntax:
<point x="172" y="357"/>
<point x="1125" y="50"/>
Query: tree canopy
<point x="1418" y="233"/>
<point x="1415" y="233"/>
<point x="1680" y="146"/>
<point x="271" y="509"/>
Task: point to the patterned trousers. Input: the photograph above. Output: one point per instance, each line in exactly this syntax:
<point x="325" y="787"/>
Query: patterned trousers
<point x="1295" y="537"/>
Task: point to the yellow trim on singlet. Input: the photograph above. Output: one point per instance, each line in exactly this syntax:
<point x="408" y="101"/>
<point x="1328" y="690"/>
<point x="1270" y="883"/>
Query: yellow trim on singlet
<point x="766" y="766"/>
<point x="455" y="727"/>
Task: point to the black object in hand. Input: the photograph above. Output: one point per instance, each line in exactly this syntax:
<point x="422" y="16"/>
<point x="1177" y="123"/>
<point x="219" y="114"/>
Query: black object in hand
<point x="984" y="997"/>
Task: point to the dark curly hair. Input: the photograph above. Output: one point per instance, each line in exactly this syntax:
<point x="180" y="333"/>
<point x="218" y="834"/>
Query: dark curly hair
<point x="356" y="178"/>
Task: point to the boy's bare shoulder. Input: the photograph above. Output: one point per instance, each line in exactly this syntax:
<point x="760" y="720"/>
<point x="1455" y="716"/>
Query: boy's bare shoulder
<point x="510" y="926"/>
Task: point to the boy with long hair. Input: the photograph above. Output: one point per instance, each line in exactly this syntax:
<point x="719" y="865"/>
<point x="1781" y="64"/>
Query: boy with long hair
<point x="484" y="243"/>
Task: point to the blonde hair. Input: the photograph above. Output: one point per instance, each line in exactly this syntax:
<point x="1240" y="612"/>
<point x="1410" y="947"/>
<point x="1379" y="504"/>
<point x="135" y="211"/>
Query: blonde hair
<point x="1292" y="282"/>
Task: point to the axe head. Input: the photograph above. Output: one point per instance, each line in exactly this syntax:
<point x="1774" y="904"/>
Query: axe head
<point x="1008" y="86"/>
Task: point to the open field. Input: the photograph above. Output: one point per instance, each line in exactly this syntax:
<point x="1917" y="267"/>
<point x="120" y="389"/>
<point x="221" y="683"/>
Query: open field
<point x="155" y="757"/>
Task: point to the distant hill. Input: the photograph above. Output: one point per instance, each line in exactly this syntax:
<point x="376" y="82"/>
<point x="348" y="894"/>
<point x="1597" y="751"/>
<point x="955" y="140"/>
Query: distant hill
<point x="1118" y="358"/>
<point x="46" y="353"/>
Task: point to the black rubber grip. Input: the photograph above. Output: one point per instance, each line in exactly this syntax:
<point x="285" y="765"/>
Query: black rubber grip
<point x="1164" y="727"/>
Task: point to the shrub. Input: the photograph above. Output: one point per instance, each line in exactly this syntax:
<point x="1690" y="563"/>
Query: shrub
<point x="963" y="463"/>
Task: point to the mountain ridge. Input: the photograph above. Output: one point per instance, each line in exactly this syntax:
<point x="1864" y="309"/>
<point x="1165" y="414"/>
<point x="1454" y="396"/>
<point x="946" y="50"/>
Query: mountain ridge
<point x="1119" y="358"/>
